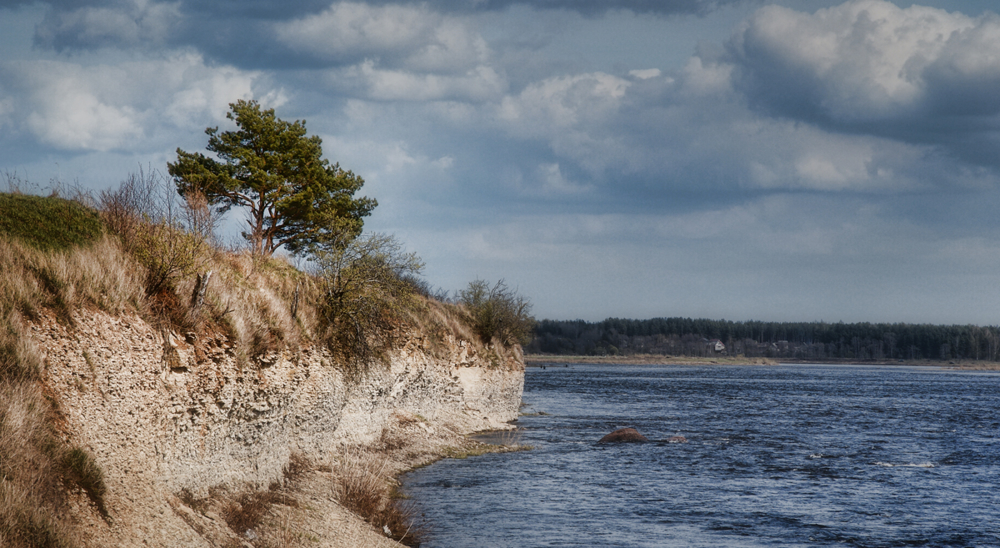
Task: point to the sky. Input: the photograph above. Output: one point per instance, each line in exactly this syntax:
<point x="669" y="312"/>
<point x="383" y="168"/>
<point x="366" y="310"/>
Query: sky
<point x="727" y="159"/>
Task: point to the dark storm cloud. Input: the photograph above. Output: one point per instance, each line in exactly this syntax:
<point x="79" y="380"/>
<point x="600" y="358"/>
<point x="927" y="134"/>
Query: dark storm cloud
<point x="666" y="7"/>
<point x="919" y="75"/>
<point x="240" y="32"/>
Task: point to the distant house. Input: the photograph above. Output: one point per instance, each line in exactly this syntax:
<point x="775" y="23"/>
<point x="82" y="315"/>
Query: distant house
<point x="715" y="345"/>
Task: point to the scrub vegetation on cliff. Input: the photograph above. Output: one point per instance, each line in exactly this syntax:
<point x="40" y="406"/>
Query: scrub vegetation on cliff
<point x="149" y="248"/>
<point x="80" y="267"/>
<point x="141" y="250"/>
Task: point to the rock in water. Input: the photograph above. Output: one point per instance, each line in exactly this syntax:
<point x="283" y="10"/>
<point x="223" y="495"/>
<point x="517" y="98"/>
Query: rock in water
<point x="623" y="435"/>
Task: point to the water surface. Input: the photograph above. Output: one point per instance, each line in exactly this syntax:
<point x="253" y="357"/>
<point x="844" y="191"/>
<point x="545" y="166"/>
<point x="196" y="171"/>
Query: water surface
<point x="805" y="455"/>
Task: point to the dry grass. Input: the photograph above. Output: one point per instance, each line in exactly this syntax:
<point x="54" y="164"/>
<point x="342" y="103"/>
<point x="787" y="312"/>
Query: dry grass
<point x="38" y="470"/>
<point x="80" y="468"/>
<point x="99" y="275"/>
<point x="441" y="319"/>
<point x="246" y="511"/>
<point x="252" y="299"/>
<point x="262" y="305"/>
<point x="31" y="493"/>
<point x="363" y="488"/>
<point x="251" y="513"/>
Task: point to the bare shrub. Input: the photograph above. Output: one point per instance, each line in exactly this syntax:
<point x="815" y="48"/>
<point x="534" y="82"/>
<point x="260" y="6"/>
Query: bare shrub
<point x="166" y="237"/>
<point x="298" y="466"/>
<point x="17" y="184"/>
<point x="199" y="218"/>
<point x="365" y="291"/>
<point x="198" y="504"/>
<point x="498" y="312"/>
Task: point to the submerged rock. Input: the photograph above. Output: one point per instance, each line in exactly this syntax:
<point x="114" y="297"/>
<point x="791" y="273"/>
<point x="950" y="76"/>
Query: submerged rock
<point x="623" y="435"/>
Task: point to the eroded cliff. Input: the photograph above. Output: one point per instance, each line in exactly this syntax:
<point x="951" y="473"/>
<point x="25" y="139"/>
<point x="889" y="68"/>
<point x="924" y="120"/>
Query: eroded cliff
<point x="173" y="418"/>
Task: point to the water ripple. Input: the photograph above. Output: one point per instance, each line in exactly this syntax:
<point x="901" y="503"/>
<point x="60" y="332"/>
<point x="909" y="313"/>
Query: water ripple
<point x="777" y="456"/>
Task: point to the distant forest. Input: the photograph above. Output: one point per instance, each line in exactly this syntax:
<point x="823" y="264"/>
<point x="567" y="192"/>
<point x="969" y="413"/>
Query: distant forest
<point x="806" y="341"/>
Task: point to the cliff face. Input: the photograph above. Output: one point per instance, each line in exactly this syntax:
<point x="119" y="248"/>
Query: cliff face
<point x="164" y="413"/>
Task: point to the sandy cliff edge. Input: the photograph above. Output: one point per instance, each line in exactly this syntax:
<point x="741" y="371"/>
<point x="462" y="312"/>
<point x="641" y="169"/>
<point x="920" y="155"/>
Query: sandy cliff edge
<point x="173" y="420"/>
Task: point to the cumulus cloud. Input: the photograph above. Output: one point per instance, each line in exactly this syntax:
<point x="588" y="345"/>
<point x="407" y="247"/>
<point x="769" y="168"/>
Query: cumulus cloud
<point x="75" y="107"/>
<point x="414" y="36"/>
<point x="576" y="115"/>
<point x="868" y="65"/>
<point x="476" y="85"/>
<point x="666" y="7"/>
<point x="127" y="23"/>
<point x="428" y="35"/>
<point x="642" y="137"/>
<point x="562" y="102"/>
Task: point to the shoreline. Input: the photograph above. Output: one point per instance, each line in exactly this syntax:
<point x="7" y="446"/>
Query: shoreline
<point x="315" y="506"/>
<point x="539" y="360"/>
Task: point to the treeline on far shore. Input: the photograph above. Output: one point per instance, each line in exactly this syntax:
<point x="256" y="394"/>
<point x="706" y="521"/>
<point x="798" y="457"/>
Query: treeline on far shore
<point x="789" y="340"/>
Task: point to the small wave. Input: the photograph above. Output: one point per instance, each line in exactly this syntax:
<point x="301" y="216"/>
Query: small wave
<point x="909" y="465"/>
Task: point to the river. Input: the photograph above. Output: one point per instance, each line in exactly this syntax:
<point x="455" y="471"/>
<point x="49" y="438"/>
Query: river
<point x="797" y="455"/>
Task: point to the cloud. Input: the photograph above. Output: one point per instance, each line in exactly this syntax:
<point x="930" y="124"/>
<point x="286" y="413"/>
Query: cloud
<point x="427" y="35"/>
<point x="590" y="7"/>
<point x="869" y="66"/>
<point x="476" y="85"/>
<point x="562" y="102"/>
<point x="76" y="107"/>
<point x="645" y="74"/>
<point x="412" y="36"/>
<point x="783" y="257"/>
<point x="569" y="112"/>
<point x="127" y="23"/>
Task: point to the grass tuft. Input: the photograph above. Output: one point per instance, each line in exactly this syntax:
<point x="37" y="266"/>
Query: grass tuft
<point x="32" y="499"/>
<point x="297" y="467"/>
<point x="246" y="511"/>
<point x="82" y="470"/>
<point x="362" y="489"/>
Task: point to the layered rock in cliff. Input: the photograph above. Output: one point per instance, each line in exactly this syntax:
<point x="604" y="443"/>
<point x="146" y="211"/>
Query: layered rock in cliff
<point x="172" y="418"/>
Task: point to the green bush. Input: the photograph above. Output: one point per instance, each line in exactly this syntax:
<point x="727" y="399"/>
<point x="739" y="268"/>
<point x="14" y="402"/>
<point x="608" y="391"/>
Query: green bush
<point x="498" y="312"/>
